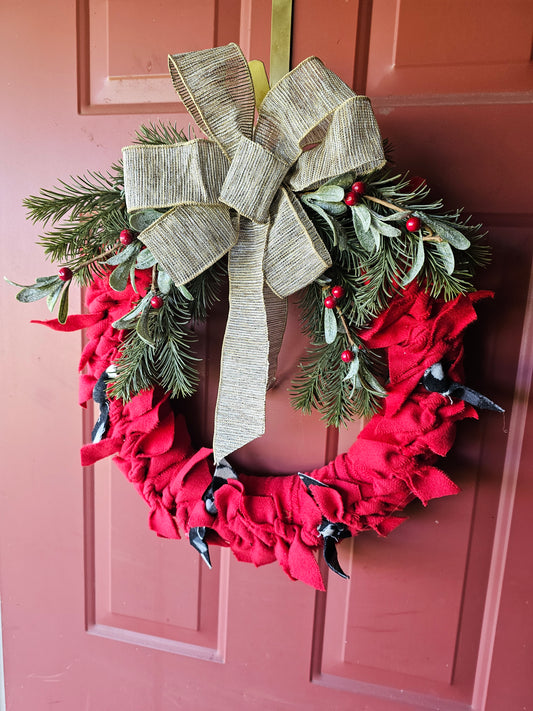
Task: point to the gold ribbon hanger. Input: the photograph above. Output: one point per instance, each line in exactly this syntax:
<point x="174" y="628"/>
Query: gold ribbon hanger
<point x="234" y="193"/>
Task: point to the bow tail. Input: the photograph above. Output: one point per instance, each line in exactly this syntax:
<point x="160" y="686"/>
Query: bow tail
<point x="240" y="410"/>
<point x="276" y="313"/>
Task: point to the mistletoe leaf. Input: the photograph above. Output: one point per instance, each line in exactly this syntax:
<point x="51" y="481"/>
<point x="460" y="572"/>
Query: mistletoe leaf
<point x="63" y="304"/>
<point x="364" y="215"/>
<point x="345" y="180"/>
<point x="417" y="264"/>
<point x="139" y="221"/>
<point x="365" y="237"/>
<point x="126" y="321"/>
<point x="376" y="236"/>
<point x="20" y="286"/>
<point x="370" y="383"/>
<point x="447" y="232"/>
<point x="330" y="325"/>
<point x="53" y="296"/>
<point x="164" y="281"/>
<point x="120" y="276"/>
<point x="446" y="256"/>
<point x="132" y="278"/>
<point x="393" y="217"/>
<point x="145" y="260"/>
<point x="328" y="193"/>
<point x="47" y="281"/>
<point x="333" y="225"/>
<point x="353" y="368"/>
<point x="143" y="326"/>
<point x="34" y="293"/>
<point x="384" y="228"/>
<point x="124" y="254"/>
<point x="185" y="292"/>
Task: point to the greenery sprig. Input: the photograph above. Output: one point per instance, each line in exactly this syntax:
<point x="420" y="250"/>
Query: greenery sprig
<point x="90" y="234"/>
<point x="383" y="231"/>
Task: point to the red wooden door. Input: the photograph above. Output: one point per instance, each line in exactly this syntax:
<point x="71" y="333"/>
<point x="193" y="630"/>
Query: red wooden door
<point x="97" y="612"/>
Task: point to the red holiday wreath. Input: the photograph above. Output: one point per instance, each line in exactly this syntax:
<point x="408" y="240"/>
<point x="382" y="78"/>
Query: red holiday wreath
<point x="401" y="275"/>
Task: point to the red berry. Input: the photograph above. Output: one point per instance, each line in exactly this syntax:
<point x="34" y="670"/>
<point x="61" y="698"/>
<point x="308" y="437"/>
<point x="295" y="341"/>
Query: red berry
<point x="330" y="302"/>
<point x="156" y="302"/>
<point x="359" y="188"/>
<point x="347" y="356"/>
<point x="337" y="292"/>
<point x="126" y="237"/>
<point x="351" y="199"/>
<point x="65" y="274"/>
<point x="413" y="224"/>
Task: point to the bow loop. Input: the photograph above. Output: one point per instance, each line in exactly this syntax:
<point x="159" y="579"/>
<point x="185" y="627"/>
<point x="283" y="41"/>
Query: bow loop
<point x="347" y="139"/>
<point x="295" y="255"/>
<point x="216" y="89"/>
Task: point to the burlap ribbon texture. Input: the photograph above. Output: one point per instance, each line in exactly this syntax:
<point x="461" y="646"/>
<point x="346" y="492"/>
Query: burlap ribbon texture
<point x="234" y="193"/>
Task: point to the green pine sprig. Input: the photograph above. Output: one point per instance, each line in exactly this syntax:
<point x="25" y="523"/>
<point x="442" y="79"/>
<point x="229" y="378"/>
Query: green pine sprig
<point x="377" y="250"/>
<point x="158" y="350"/>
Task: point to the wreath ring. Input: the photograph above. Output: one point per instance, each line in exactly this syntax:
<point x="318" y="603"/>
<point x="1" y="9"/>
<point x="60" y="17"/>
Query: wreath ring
<point x="402" y="270"/>
<point x="286" y="518"/>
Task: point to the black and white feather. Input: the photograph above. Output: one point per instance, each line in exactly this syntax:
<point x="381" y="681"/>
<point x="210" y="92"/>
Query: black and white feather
<point x="437" y="381"/>
<point x="101" y="425"/>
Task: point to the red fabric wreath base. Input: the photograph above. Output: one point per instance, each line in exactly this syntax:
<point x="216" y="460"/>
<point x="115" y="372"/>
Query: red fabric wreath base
<point x="263" y="519"/>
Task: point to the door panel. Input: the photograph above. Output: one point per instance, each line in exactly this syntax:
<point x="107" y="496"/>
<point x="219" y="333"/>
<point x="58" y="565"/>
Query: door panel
<point x="435" y="616"/>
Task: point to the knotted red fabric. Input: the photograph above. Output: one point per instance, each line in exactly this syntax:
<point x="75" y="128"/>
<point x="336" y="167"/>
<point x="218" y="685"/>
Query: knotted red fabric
<point x="263" y="519"/>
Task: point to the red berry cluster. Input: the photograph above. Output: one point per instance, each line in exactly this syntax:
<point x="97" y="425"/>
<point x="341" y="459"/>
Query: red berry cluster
<point x="337" y="292"/>
<point x="357" y="191"/>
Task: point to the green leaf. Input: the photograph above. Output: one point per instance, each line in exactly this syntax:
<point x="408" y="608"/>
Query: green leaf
<point x="46" y="281"/>
<point x="332" y="224"/>
<point x="185" y="292"/>
<point x="370" y="383"/>
<point x="20" y="286"/>
<point x="124" y="254"/>
<point x="334" y="208"/>
<point x="330" y="325"/>
<point x="53" y="296"/>
<point x="34" y="293"/>
<point x="63" y="304"/>
<point x="126" y="321"/>
<point x="139" y="221"/>
<point x="364" y="215"/>
<point x="345" y="181"/>
<point x="417" y="264"/>
<point x="119" y="277"/>
<point x="446" y="256"/>
<point x="385" y="229"/>
<point x="328" y="193"/>
<point x="376" y="236"/>
<point x="132" y="278"/>
<point x="393" y="217"/>
<point x="353" y="368"/>
<point x="448" y="233"/>
<point x="145" y="260"/>
<point x="364" y="236"/>
<point x="164" y="283"/>
<point x="143" y="327"/>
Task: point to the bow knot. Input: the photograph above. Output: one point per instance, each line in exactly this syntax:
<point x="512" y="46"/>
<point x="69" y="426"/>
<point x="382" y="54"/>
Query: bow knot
<point x="252" y="181"/>
<point x="273" y="248"/>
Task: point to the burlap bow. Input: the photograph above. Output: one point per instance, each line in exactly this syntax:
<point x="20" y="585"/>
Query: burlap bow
<point x="233" y="193"/>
